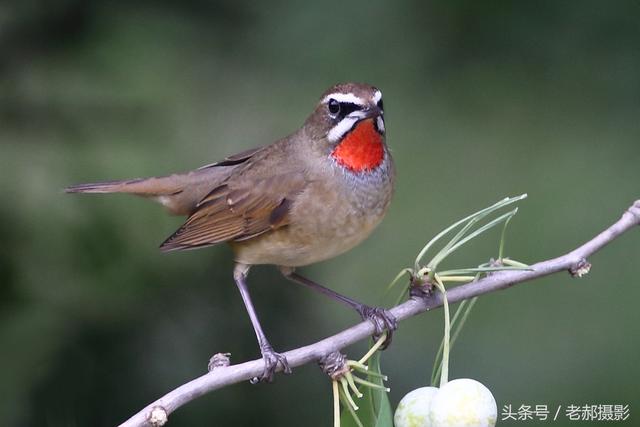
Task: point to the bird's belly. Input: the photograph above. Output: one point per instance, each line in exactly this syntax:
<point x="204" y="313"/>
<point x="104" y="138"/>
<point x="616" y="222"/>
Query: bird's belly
<point x="274" y="249"/>
<point x="293" y="246"/>
<point x="320" y="228"/>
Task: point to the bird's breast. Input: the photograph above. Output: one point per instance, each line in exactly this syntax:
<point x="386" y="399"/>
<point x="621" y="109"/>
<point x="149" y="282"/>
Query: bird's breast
<point x="362" y="149"/>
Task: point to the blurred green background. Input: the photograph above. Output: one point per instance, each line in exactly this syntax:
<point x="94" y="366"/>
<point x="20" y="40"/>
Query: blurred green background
<point x="483" y="100"/>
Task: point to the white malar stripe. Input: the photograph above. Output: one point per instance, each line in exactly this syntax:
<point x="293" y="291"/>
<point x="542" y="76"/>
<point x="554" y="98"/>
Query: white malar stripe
<point x="380" y="124"/>
<point x="377" y="97"/>
<point x="343" y="97"/>
<point x="357" y="114"/>
<point x="338" y="131"/>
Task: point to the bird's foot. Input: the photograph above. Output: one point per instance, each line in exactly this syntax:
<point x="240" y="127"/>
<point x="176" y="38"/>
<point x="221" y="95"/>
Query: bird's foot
<point x="271" y="362"/>
<point x="382" y="320"/>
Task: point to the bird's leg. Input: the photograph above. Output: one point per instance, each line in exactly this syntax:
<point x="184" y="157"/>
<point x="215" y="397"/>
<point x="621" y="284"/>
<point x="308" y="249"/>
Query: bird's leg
<point x="382" y="319"/>
<point x="271" y="358"/>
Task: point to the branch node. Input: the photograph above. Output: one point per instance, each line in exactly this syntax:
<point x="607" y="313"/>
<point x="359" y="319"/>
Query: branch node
<point x="580" y="268"/>
<point x="219" y="360"/>
<point x="158" y="416"/>
<point x="334" y="364"/>
<point x="420" y="286"/>
<point x="420" y="292"/>
<point x="635" y="210"/>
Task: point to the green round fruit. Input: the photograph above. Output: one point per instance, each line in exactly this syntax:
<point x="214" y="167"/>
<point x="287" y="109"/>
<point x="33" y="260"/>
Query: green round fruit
<point x="463" y="402"/>
<point x="413" y="409"/>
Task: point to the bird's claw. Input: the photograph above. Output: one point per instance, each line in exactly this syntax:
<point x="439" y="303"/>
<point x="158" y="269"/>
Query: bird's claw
<point x="271" y="362"/>
<point x="382" y="320"/>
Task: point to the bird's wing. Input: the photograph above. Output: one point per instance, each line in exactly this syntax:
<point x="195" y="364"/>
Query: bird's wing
<point x="238" y="210"/>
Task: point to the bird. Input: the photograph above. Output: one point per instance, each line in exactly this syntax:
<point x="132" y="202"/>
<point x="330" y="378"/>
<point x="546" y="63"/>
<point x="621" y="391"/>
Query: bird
<point x="302" y="199"/>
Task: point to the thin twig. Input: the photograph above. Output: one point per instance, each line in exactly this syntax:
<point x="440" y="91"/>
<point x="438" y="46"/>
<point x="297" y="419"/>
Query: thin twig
<point x="224" y="376"/>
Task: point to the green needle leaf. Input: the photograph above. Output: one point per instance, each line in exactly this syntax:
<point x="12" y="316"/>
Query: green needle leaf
<point x="473" y="217"/>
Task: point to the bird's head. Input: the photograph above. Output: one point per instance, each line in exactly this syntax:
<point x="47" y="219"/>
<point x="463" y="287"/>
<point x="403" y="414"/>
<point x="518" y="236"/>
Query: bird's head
<point x="348" y="123"/>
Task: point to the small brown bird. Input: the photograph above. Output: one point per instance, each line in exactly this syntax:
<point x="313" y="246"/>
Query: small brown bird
<point x="303" y="199"/>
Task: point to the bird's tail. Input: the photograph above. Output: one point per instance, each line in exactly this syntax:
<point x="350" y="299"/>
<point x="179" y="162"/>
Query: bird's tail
<point x="132" y="186"/>
<point x="178" y="193"/>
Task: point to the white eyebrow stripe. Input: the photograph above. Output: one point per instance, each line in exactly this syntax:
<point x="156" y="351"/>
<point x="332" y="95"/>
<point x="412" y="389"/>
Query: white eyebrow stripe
<point x="377" y="96"/>
<point x="344" y="97"/>
<point x="339" y="130"/>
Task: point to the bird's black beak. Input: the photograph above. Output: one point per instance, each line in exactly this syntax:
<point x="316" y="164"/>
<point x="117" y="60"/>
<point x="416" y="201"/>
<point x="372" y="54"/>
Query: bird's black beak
<point x="371" y="112"/>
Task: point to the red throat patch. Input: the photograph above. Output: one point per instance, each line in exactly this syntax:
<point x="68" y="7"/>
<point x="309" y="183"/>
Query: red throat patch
<point x="361" y="149"/>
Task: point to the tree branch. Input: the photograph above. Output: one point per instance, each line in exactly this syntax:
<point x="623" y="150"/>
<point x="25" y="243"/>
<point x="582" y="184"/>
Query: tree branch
<point x="156" y="413"/>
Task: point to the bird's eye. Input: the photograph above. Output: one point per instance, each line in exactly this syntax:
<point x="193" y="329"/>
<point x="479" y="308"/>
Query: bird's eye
<point x="334" y="107"/>
<point x="380" y="105"/>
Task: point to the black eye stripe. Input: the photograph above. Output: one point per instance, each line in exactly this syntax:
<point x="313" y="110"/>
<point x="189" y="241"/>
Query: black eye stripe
<point x="348" y="107"/>
<point x="341" y="109"/>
